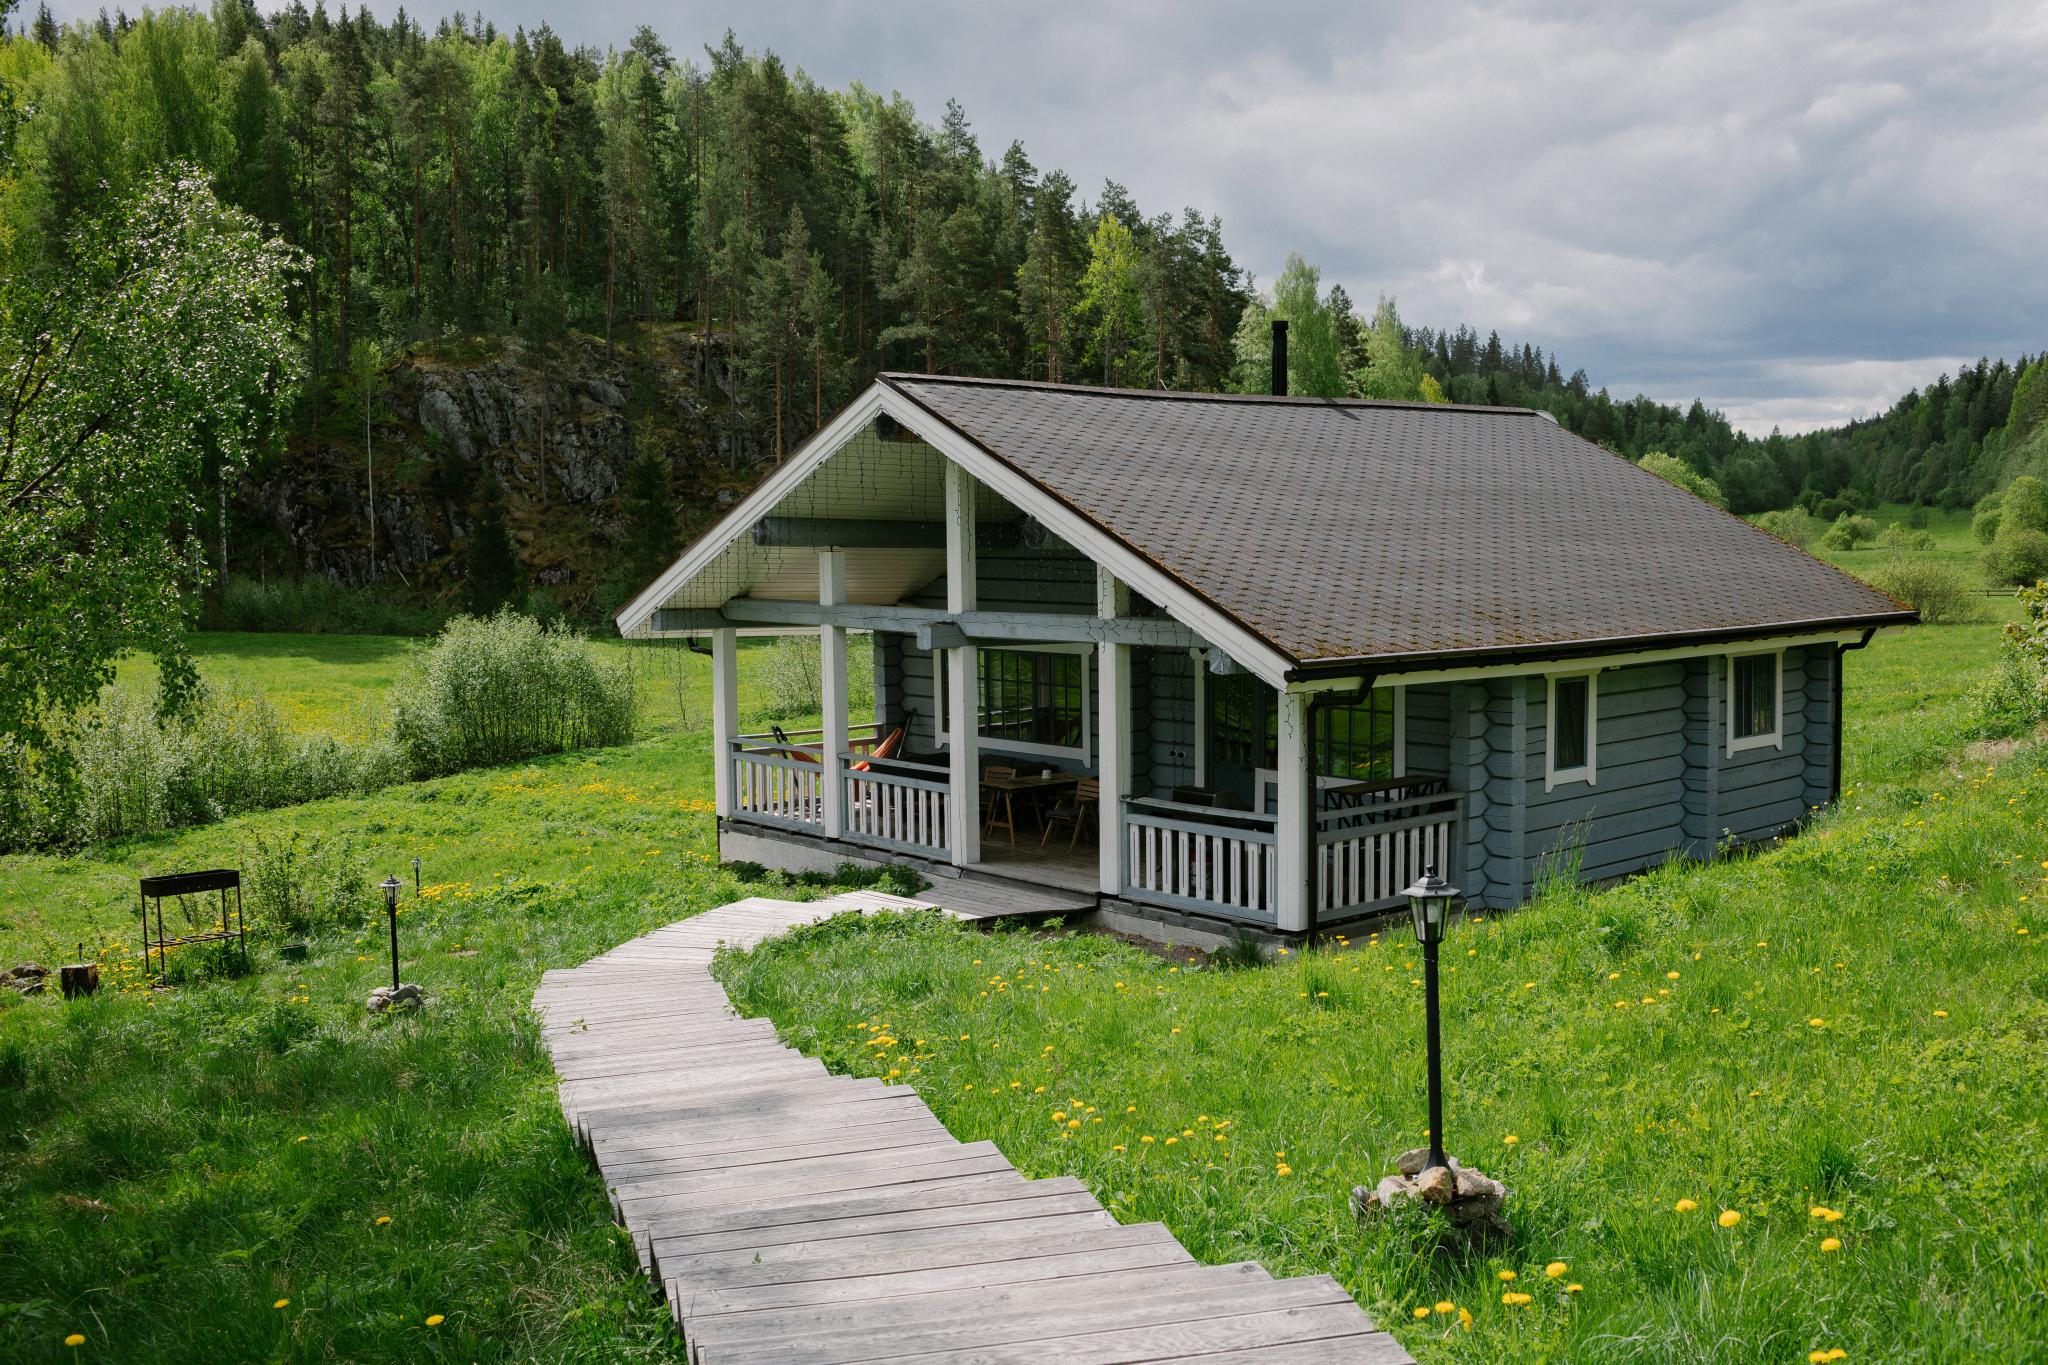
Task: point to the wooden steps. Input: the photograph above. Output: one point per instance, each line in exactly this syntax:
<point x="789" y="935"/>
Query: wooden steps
<point x="794" y="1217"/>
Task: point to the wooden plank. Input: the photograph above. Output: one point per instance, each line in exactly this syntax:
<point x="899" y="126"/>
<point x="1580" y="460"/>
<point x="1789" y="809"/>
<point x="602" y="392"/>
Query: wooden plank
<point x="805" y="1217"/>
<point x="891" y="1281"/>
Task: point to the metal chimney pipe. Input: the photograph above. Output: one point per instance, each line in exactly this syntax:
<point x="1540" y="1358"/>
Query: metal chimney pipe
<point x="1279" y="357"/>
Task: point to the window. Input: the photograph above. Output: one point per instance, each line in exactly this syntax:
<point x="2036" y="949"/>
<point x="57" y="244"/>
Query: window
<point x="1362" y="742"/>
<point x="1753" y="710"/>
<point x="1570" y="746"/>
<point x="1032" y="701"/>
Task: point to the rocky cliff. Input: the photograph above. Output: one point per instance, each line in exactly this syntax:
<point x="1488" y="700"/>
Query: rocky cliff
<point x="559" y="436"/>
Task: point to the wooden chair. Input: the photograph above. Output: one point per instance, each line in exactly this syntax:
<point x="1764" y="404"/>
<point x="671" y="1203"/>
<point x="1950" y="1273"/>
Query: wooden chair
<point x="1083" y="806"/>
<point x="998" y="808"/>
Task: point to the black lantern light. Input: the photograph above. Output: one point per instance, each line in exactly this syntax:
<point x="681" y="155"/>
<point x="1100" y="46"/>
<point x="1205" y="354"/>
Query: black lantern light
<point x="390" y="886"/>
<point x="415" y="874"/>
<point x="1429" y="901"/>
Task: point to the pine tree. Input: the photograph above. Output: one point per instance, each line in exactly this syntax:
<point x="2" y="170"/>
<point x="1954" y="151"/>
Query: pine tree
<point x="490" y="576"/>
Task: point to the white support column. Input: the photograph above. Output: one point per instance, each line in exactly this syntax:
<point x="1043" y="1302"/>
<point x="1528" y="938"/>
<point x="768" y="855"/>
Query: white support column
<point x="725" y="715"/>
<point x="963" y="687"/>
<point x="1112" y="733"/>
<point x="1296" y="825"/>
<point x="1200" y="661"/>
<point x="832" y="687"/>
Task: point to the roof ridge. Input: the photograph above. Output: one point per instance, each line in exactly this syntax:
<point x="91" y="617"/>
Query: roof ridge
<point x="1194" y="396"/>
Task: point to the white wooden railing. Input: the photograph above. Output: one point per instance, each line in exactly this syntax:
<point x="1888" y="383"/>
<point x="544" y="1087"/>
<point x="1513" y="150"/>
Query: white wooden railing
<point x="1196" y="858"/>
<point x="1367" y="855"/>
<point x="1224" y="863"/>
<point x="772" y="787"/>
<point x="895" y="805"/>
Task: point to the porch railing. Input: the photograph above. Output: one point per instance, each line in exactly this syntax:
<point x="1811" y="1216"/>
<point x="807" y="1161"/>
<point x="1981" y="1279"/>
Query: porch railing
<point x="895" y="805"/>
<point x="1366" y="856"/>
<point x="1197" y="858"/>
<point x="770" y="786"/>
<point x="1225" y="863"/>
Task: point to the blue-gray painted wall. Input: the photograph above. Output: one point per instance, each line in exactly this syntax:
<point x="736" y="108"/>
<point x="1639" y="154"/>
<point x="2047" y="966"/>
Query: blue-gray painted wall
<point x="1665" y="782"/>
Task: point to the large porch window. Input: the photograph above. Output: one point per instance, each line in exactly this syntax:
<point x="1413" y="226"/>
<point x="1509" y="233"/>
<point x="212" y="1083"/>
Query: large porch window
<point x="1033" y="700"/>
<point x="1356" y="743"/>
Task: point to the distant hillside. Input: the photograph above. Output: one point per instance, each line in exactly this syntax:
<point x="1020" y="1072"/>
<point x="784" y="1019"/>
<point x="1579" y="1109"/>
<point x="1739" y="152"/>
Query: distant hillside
<point x="1947" y="445"/>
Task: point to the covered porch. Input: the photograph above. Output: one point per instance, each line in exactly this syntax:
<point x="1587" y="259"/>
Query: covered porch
<point x="1076" y="736"/>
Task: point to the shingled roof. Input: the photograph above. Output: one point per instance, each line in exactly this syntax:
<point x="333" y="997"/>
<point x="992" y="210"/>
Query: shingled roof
<point x="1346" y="532"/>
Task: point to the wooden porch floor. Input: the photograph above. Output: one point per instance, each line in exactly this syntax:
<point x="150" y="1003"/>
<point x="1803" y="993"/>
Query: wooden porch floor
<point x="800" y="1218"/>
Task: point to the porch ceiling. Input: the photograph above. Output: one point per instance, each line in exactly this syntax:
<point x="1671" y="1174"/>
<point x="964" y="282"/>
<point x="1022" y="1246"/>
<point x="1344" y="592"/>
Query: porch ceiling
<point x="868" y="480"/>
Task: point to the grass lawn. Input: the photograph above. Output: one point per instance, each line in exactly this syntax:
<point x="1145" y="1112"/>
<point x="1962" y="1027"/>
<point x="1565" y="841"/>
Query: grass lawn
<point x="156" y="1196"/>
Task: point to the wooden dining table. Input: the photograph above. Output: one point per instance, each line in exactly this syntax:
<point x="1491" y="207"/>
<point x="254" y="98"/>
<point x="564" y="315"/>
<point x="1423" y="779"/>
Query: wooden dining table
<point x="1007" y="788"/>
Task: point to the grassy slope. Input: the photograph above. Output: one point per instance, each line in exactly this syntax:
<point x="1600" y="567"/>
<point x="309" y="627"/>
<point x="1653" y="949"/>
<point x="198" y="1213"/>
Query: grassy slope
<point x="154" y="1196"/>
<point x="1609" y="1054"/>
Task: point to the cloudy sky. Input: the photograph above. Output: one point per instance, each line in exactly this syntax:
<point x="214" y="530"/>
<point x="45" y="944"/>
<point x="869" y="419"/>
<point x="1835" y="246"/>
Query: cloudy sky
<point x="1794" y="210"/>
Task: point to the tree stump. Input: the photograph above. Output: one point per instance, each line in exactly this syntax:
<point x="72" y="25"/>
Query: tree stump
<point x="78" y="978"/>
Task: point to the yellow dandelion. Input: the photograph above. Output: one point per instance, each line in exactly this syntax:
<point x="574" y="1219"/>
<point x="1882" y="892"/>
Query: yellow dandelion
<point x="383" y="1219"/>
<point x="1685" y="1206"/>
<point x="1574" y="1289"/>
<point x="1147" y="1139"/>
<point x="1816" y="1023"/>
<point x="1941" y="1014"/>
<point x="1283" y="1168"/>
<point x="1422" y="1312"/>
<point x="1507" y="1277"/>
<point x="1514" y="1299"/>
<point x="435" y="1319"/>
<point x="75" y="1339"/>
<point x="1729" y="1218"/>
<point x="1555" y="1270"/>
<point x="1446" y="1307"/>
<point x="1671" y="976"/>
<point x="282" y="1303"/>
<point x="1830" y="1244"/>
<point x="1510" y="1140"/>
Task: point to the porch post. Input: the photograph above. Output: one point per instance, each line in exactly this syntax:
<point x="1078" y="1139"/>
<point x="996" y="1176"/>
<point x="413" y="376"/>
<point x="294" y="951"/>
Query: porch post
<point x="832" y="686"/>
<point x="1112" y="734"/>
<point x="725" y="715"/>
<point x="963" y="687"/>
<point x="1295" y="829"/>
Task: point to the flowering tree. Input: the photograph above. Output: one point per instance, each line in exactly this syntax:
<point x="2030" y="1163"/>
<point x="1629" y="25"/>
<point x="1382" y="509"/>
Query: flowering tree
<point x="162" y="354"/>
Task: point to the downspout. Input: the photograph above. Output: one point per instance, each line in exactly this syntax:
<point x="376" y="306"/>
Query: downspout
<point x="1317" y="703"/>
<point x="1835" y="744"/>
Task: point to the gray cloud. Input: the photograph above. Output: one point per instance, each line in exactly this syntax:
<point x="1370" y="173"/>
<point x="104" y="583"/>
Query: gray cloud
<point x="1794" y="211"/>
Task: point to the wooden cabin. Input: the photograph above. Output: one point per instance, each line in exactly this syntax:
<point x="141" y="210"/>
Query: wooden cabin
<point x="1201" y="663"/>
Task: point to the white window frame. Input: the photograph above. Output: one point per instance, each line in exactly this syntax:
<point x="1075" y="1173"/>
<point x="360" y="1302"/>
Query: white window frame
<point x="1085" y="753"/>
<point x="1589" y="771"/>
<point x="1775" y="737"/>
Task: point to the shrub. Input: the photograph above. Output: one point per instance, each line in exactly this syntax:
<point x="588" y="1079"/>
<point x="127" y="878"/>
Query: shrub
<point x="1941" y="593"/>
<point x="315" y="606"/>
<point x="501" y="688"/>
<point x="1919" y="517"/>
<point x="1673" y="470"/>
<point x="1793" y="525"/>
<point x="297" y="884"/>
<point x="1901" y="538"/>
<point x="1849" y="532"/>
<point x="1984" y="526"/>
<point x="2015" y="700"/>
<point x="2018" y="556"/>
<point x="2025" y="505"/>
<point x="793" y="676"/>
<point x="125" y="770"/>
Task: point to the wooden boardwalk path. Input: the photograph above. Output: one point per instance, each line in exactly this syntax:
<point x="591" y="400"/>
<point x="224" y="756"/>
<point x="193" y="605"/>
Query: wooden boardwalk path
<point x="797" y="1217"/>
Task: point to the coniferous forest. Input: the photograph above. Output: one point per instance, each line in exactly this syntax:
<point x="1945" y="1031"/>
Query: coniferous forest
<point x="626" y="217"/>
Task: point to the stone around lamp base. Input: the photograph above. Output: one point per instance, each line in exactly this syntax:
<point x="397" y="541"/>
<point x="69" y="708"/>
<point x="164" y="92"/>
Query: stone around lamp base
<point x="1470" y="1199"/>
<point x="405" y="997"/>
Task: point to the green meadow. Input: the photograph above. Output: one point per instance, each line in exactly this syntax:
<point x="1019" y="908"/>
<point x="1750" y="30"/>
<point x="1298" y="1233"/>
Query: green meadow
<point x="201" y="1172"/>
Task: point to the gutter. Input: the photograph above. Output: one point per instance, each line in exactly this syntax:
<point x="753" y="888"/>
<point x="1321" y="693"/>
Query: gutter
<point x="1574" y="649"/>
<point x="1835" y="727"/>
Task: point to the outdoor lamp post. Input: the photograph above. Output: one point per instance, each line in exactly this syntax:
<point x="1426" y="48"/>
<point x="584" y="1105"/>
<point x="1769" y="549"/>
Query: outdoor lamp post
<point x="390" y="886"/>
<point x="415" y="874"/>
<point x="1429" y="901"/>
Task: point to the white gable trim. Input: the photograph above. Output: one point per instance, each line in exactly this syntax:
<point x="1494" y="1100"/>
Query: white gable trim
<point x="1247" y="649"/>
